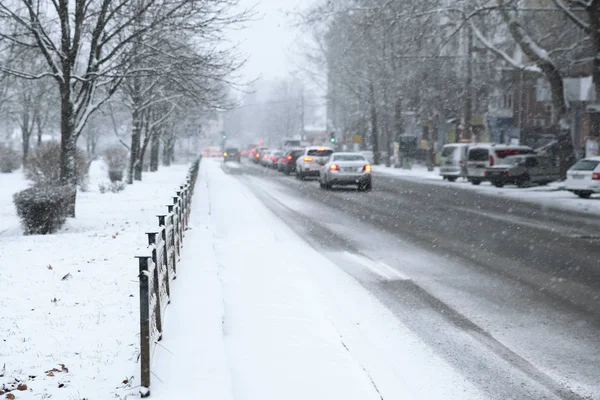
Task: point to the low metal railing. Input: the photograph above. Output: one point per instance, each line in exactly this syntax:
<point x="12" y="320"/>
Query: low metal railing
<point x="158" y="270"/>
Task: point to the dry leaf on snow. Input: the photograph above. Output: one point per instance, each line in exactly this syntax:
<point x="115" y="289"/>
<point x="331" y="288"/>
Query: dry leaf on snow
<point x="21" y="386"/>
<point x="10" y="396"/>
<point x="3" y="370"/>
<point x="67" y="276"/>
<point x="49" y="266"/>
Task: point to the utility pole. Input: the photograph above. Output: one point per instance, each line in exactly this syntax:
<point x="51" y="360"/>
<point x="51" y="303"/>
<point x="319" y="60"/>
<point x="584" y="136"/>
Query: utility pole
<point x="520" y="109"/>
<point x="469" y="89"/>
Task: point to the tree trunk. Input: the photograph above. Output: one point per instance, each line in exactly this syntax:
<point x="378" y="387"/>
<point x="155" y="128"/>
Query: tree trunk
<point x="135" y="144"/>
<point x="155" y="151"/>
<point x="594" y="18"/>
<point x="68" y="144"/>
<point x="374" y="131"/>
<point x="38" y="124"/>
<point x="25" y="136"/>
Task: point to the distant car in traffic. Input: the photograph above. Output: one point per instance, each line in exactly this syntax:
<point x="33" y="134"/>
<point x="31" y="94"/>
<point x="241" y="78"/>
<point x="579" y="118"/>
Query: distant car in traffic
<point x="231" y="154"/>
<point x="523" y="170"/>
<point x="346" y="169"/>
<point x="312" y="159"/>
<point x="273" y="157"/>
<point x="485" y="155"/>
<point x="583" y="178"/>
<point x="287" y="163"/>
<point x="453" y="161"/>
<point x="257" y="154"/>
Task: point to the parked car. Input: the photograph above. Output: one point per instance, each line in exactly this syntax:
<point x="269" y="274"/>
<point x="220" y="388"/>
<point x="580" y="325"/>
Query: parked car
<point x="231" y="154"/>
<point x="272" y="158"/>
<point x="482" y="156"/>
<point x="583" y="178"/>
<point x="346" y="169"/>
<point x="523" y="170"/>
<point x="453" y="161"/>
<point x="312" y="159"/>
<point x="287" y="163"/>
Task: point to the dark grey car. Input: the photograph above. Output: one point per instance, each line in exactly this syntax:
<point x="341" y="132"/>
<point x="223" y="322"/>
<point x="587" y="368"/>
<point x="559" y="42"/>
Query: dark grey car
<point x="523" y="170"/>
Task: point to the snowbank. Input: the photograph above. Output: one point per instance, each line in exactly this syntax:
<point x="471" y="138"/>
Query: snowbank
<point x="551" y="195"/>
<point x="258" y="314"/>
<point x="72" y="298"/>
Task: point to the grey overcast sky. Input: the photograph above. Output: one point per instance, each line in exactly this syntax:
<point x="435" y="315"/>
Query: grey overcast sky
<point x="268" y="41"/>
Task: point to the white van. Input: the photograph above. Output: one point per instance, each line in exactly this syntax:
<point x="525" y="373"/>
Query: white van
<point x="453" y="161"/>
<point x="484" y="155"/>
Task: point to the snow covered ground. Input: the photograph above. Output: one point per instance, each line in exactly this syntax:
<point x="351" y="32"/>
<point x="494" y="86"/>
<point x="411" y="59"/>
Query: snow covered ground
<point x="69" y="302"/>
<point x="258" y="314"/>
<point x="551" y="195"/>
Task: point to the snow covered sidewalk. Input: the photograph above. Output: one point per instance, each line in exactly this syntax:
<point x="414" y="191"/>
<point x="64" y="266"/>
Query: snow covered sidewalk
<point x="258" y="314"/>
<point x="69" y="305"/>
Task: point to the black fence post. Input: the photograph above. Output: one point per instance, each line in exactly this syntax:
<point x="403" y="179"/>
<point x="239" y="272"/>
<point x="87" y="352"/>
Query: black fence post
<point x="156" y="284"/>
<point x="165" y="254"/>
<point x="144" y="327"/>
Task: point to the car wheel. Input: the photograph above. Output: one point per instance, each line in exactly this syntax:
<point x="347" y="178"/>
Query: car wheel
<point x="475" y="182"/>
<point x="300" y="175"/>
<point x="583" y="194"/>
<point x="451" y="178"/>
<point x="498" y="184"/>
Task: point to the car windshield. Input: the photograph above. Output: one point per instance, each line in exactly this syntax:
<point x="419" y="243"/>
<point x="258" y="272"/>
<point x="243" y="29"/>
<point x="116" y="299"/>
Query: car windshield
<point x="348" y="157"/>
<point x="319" y="152"/>
<point x="585" y="165"/>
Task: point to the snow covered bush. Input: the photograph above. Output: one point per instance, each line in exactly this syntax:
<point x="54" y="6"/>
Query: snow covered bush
<point x="10" y="160"/>
<point x="114" y="187"/>
<point x="43" y="164"/>
<point x="43" y="209"/>
<point x="116" y="158"/>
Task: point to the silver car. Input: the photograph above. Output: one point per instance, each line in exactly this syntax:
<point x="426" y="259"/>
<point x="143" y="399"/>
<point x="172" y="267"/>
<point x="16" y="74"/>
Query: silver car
<point x="346" y="169"/>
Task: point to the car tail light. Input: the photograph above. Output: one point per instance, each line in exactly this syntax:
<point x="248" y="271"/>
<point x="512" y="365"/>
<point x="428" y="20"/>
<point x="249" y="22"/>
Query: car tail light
<point x="289" y="158"/>
<point x="265" y="156"/>
<point x="237" y="155"/>
<point x="486" y="173"/>
<point x="596" y="176"/>
<point x="491" y="161"/>
<point x="308" y="159"/>
<point x="367" y="168"/>
<point x="334" y="167"/>
<point x="224" y="154"/>
<point x="506" y="173"/>
<point x="257" y="155"/>
<point x="274" y="159"/>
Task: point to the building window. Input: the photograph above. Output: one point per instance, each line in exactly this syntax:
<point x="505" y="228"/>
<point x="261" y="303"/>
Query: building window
<point x="507" y="100"/>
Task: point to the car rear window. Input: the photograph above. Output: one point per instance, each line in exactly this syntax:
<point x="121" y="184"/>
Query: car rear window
<point x="277" y="153"/>
<point x="297" y="153"/>
<point x="231" y="150"/>
<point x="319" y="153"/>
<point x="585" y="165"/>
<point x="478" y="155"/>
<point x="349" y="157"/>
<point x="448" y="151"/>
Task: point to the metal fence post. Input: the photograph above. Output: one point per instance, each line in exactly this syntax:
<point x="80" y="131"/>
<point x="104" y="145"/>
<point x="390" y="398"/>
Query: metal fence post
<point x="144" y="327"/>
<point x="156" y="284"/>
<point x="165" y="254"/>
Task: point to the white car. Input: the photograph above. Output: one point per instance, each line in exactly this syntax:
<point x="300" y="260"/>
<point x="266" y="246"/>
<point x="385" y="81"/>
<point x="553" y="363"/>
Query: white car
<point x="583" y="178"/>
<point x="346" y="169"/>
<point x="485" y="155"/>
<point x="311" y="161"/>
<point x="453" y="161"/>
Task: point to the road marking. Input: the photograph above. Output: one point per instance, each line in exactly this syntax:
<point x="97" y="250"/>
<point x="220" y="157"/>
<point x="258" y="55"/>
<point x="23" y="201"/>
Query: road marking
<point x="377" y="267"/>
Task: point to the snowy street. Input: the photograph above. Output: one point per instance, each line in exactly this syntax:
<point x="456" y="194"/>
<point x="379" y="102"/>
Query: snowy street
<point x="504" y="291"/>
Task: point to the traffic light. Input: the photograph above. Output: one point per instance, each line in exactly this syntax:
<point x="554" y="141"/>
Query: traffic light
<point x="332" y="137"/>
<point x="224" y="136"/>
<point x="262" y="141"/>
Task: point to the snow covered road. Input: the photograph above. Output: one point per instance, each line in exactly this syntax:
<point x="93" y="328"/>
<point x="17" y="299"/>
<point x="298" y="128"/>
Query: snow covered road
<point x="505" y="291"/>
<point x="258" y="314"/>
